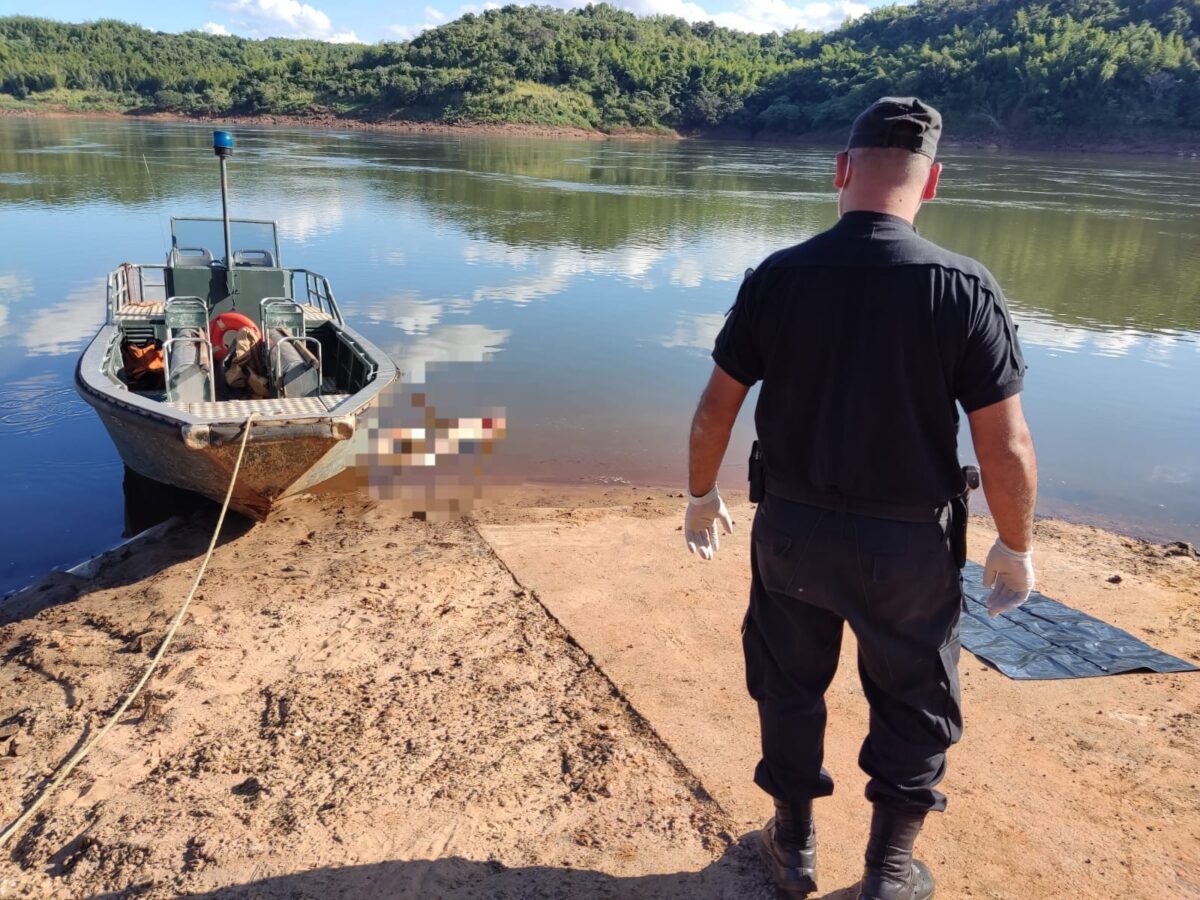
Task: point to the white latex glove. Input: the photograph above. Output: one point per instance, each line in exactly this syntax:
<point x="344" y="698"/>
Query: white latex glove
<point x="1012" y="574"/>
<point x="700" y="523"/>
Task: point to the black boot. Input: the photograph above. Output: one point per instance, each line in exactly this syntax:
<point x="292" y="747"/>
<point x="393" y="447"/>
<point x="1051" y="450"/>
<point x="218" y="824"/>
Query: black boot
<point x="892" y="873"/>
<point x="789" y="845"/>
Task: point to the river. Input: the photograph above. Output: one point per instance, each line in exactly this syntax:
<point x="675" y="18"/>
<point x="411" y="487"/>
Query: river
<point x="578" y="285"/>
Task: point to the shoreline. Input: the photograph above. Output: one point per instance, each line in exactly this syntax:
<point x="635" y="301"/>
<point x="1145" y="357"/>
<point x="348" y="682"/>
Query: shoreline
<point x="576" y="495"/>
<point x="326" y="122"/>
<point x="1060" y="513"/>
<point x="1087" y="144"/>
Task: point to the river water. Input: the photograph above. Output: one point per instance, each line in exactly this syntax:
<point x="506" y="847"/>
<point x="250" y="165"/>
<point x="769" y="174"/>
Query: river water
<point x="579" y="285"/>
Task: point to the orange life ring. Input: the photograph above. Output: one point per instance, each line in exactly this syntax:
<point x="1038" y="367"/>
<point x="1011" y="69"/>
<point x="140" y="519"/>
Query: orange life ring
<point x="223" y="325"/>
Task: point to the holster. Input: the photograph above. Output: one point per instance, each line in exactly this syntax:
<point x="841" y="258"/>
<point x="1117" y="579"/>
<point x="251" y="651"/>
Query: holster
<point x="758" y="474"/>
<point x="959" y="509"/>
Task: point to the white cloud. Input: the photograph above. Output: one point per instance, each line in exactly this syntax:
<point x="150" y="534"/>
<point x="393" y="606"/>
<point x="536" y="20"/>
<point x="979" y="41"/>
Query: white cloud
<point x="284" y="18"/>
<point x="406" y="32"/>
<point x="757" y="16"/>
<point x="777" y="15"/>
<point x="215" y="28"/>
<point x="433" y="18"/>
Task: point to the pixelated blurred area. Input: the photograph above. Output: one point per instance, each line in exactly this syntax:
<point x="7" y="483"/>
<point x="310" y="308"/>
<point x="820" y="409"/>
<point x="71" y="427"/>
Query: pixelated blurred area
<point x="435" y="466"/>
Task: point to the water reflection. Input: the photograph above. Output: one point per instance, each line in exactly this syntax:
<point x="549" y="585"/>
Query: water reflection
<point x="1036" y="329"/>
<point x="447" y="344"/>
<point x="408" y="312"/>
<point x="697" y="331"/>
<point x="13" y="289"/>
<point x="35" y="404"/>
<point x="65" y="327"/>
<point x="580" y="285"/>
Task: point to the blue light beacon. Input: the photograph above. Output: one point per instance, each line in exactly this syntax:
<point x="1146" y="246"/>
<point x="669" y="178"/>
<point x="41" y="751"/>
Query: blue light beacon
<point x="222" y="143"/>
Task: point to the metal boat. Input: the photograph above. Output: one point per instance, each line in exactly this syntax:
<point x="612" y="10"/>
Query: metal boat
<point x="179" y="418"/>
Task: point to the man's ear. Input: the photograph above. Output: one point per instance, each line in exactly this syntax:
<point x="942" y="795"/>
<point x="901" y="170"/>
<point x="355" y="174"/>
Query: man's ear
<point x="841" y="177"/>
<point x="931" y="183"/>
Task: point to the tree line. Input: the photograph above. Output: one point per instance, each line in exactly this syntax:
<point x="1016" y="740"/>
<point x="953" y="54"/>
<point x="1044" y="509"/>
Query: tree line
<point x="1030" y="68"/>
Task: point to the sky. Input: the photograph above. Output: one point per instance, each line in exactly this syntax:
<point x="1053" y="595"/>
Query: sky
<point x="361" y="21"/>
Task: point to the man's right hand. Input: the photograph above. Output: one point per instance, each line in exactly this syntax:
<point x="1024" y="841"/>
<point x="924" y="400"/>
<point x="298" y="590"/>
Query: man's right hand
<point x="1009" y="573"/>
<point x="700" y="523"/>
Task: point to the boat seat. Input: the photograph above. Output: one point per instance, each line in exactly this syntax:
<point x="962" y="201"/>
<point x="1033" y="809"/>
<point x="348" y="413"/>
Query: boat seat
<point x="187" y="353"/>
<point x="293" y="358"/>
<point x="189" y="256"/>
<point x="281" y="312"/>
<point x="264" y="259"/>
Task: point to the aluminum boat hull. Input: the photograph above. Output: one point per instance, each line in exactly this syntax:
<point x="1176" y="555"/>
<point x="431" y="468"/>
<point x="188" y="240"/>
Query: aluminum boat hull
<point x="287" y="453"/>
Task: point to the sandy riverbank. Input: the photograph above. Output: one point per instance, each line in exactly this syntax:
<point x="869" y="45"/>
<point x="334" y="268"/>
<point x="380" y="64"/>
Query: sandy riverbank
<point x="328" y="122"/>
<point x="1180" y="145"/>
<point x="546" y="703"/>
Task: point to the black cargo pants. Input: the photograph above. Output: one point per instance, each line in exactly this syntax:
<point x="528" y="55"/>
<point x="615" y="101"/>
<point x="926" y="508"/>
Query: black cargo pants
<point x="897" y="586"/>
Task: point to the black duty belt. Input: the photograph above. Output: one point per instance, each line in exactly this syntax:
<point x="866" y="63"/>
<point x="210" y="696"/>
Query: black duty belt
<point x="931" y="512"/>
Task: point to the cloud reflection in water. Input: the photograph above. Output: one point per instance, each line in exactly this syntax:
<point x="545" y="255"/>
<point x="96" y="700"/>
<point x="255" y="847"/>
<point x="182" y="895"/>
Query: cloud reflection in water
<point x="447" y="344"/>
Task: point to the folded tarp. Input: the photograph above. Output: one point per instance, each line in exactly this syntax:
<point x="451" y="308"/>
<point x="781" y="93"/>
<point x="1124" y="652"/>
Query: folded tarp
<point x="1044" y="639"/>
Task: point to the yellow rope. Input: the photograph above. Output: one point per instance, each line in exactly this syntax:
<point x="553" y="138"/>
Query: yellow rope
<point x="69" y="766"/>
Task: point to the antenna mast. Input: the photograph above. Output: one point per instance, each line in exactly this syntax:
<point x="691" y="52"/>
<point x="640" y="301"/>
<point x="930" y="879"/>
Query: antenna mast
<point x="223" y="148"/>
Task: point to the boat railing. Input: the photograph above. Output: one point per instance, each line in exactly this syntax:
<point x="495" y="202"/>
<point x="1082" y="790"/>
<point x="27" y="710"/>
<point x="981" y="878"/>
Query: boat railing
<point x="136" y="288"/>
<point x="140" y="289"/>
<point x="312" y="289"/>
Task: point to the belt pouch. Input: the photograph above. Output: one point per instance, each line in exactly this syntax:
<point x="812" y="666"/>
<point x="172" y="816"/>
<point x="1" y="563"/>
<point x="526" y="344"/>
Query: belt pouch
<point x="758" y="475"/>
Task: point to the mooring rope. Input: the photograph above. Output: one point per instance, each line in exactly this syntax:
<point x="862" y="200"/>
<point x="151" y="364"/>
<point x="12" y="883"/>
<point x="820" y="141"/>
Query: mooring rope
<point x="69" y="766"/>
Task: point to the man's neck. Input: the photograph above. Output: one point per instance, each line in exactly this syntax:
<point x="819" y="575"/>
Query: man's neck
<point x="903" y="211"/>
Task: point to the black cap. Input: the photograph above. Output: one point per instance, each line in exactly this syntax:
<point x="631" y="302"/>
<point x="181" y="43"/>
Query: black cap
<point x="903" y="122"/>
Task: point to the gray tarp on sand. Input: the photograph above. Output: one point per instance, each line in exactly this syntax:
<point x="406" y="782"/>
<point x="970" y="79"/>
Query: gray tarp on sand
<point x="1044" y="639"/>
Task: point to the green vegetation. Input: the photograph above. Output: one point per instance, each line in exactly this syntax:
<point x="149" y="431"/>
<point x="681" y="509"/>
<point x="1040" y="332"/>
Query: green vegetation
<point x="1039" y="69"/>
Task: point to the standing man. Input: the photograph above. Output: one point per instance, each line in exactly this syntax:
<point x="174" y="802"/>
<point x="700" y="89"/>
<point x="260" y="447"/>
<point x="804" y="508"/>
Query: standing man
<point x="864" y="338"/>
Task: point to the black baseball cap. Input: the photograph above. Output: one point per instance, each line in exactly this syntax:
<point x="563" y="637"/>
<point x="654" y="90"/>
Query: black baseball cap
<point x="903" y="122"/>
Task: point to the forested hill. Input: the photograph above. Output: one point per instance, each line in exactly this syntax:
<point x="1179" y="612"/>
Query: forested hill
<point x="1030" y="69"/>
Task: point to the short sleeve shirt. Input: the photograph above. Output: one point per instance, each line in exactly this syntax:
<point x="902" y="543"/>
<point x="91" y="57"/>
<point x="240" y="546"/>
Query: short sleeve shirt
<point x="865" y="338"/>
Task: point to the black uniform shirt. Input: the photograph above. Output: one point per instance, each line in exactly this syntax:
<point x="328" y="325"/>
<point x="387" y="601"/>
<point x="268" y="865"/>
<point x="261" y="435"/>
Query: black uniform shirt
<point x="864" y="337"/>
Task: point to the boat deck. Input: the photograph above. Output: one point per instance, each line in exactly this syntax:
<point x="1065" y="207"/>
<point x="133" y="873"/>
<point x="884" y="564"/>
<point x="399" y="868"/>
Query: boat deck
<point x="150" y="310"/>
<point x="140" y="311"/>
<point x="237" y="410"/>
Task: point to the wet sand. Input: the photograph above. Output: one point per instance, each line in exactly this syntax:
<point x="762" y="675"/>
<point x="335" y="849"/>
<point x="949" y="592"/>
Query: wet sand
<point x="546" y="702"/>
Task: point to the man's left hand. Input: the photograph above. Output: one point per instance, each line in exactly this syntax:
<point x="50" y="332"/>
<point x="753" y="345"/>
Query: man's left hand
<point x="700" y="523"/>
<point x="1009" y="573"/>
